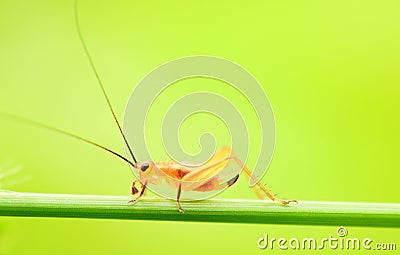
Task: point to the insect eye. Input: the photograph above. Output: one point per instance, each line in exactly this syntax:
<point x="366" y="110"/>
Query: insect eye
<point x="144" y="166"/>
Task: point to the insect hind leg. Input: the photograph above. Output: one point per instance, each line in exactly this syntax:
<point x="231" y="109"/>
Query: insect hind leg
<point x="261" y="191"/>
<point x="214" y="184"/>
<point x="228" y="183"/>
<point x="233" y="180"/>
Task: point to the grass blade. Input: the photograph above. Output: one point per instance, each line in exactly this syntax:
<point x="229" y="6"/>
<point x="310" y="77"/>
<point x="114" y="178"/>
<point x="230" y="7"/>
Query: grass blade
<point x="214" y="210"/>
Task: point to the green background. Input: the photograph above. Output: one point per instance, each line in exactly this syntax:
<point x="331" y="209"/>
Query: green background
<point x="330" y="69"/>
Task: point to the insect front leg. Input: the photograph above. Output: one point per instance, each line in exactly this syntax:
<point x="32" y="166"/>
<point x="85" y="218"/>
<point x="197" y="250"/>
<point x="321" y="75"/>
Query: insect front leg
<point x="135" y="191"/>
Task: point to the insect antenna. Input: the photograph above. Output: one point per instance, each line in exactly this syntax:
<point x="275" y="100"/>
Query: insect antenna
<point x="57" y="130"/>
<point x="85" y="48"/>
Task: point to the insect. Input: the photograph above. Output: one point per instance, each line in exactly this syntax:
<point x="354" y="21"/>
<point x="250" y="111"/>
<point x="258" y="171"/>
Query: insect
<point x="207" y="177"/>
<point x="204" y="178"/>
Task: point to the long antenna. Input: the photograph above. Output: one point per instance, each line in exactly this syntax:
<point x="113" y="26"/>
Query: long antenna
<point x="57" y="130"/>
<point x="99" y="81"/>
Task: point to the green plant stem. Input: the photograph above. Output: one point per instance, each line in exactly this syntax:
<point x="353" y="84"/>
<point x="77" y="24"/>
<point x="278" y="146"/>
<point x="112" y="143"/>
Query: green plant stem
<point x="214" y="210"/>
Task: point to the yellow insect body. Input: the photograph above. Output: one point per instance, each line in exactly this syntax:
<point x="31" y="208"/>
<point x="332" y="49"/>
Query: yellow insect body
<point x="203" y="178"/>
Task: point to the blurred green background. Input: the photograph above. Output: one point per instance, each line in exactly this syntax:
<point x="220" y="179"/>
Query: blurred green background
<point x="330" y="69"/>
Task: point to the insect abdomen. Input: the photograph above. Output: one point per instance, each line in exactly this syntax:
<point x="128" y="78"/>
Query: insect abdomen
<point x="173" y="170"/>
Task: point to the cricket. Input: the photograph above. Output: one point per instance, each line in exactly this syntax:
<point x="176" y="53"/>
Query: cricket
<point x="203" y="178"/>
